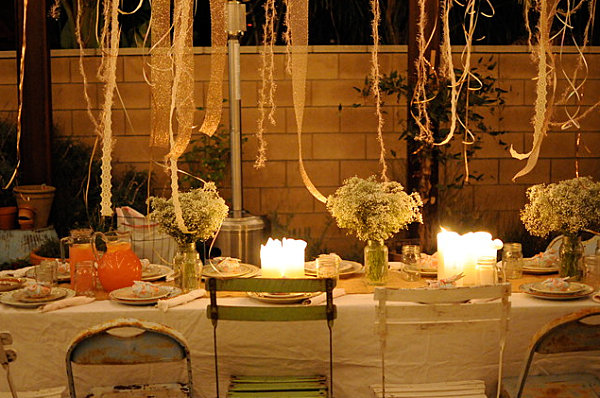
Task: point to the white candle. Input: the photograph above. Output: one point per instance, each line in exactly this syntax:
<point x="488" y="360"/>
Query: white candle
<point x="282" y="259"/>
<point x="458" y="254"/>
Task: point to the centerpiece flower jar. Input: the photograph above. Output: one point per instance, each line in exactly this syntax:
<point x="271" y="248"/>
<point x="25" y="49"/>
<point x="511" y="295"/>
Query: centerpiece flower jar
<point x="203" y="212"/>
<point x="374" y="211"/>
<point x="568" y="207"/>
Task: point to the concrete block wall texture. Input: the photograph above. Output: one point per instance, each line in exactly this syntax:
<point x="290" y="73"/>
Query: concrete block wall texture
<point x="339" y="139"/>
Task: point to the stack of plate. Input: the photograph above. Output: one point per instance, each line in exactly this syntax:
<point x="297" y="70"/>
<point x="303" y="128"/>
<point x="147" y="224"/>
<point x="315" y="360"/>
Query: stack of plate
<point x="575" y="290"/>
<point x="244" y="271"/>
<point x="536" y="266"/>
<point x="153" y="272"/>
<point x="346" y="268"/>
<point x="127" y="296"/>
<point x="282" y="298"/>
<point x="19" y="298"/>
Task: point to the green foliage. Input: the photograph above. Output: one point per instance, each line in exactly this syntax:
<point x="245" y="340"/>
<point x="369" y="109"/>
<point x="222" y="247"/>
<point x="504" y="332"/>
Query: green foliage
<point x="206" y="160"/>
<point x="70" y="210"/>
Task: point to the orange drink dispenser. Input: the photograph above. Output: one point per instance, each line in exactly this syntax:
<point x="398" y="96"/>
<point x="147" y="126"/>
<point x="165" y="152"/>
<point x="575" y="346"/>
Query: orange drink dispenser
<point x="118" y="266"/>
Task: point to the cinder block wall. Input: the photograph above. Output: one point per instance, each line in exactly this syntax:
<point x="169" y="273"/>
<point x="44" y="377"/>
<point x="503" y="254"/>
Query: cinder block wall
<point x="339" y="139"/>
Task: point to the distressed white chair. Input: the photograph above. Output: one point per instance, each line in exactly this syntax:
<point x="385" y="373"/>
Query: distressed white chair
<point x="440" y="307"/>
<point x="576" y="332"/>
<point x="129" y="341"/>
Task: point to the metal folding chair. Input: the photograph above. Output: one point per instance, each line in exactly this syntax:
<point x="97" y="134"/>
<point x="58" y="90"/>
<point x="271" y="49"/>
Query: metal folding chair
<point x="571" y="333"/>
<point x="440" y="308"/>
<point x="150" y="343"/>
<point x="305" y="386"/>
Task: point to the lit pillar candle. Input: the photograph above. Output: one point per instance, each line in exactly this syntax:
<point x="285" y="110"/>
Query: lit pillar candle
<point x="449" y="263"/>
<point x="283" y="259"/>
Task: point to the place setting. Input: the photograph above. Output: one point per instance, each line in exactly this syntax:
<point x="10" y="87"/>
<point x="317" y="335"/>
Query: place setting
<point x="229" y="267"/>
<point x="557" y="289"/>
<point x="143" y="293"/>
<point x="35" y="295"/>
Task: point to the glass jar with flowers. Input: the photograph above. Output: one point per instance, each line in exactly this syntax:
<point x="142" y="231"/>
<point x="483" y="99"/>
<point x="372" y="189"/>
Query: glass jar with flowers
<point x="374" y="211"/>
<point x="568" y="207"/>
<point x="203" y="212"/>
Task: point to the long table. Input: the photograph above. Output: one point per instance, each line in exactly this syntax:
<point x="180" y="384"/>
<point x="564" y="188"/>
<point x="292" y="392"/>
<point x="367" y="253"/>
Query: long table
<point x="414" y="355"/>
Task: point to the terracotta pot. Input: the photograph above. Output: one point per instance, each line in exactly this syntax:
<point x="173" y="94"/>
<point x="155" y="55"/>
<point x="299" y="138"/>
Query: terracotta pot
<point x="27" y="216"/>
<point x="36" y="259"/>
<point x="39" y="197"/>
<point x="8" y="216"/>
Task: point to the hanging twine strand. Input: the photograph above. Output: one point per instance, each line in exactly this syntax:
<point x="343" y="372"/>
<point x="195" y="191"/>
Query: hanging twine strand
<point x="266" y="94"/>
<point x="375" y="78"/>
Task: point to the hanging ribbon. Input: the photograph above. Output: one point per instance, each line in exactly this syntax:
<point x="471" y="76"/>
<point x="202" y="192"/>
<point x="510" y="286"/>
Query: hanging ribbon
<point x="108" y="74"/>
<point x="161" y="73"/>
<point x="298" y="34"/>
<point x="218" y="56"/>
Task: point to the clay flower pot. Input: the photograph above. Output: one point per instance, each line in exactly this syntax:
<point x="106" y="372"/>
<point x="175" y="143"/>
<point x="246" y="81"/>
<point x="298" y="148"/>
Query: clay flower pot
<point x="8" y="216"/>
<point x="38" y="197"/>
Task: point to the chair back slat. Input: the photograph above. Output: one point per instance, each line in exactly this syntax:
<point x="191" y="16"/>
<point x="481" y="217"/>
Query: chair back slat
<point x="147" y="347"/>
<point x="450" y="295"/>
<point x="444" y="313"/>
<point x="272" y="314"/>
<point x="271" y="285"/>
<point x="573" y="335"/>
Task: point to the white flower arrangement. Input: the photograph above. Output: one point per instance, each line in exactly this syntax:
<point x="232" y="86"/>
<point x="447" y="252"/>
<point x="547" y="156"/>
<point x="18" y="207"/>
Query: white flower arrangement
<point x="568" y="207"/>
<point x="374" y="210"/>
<point x="203" y="213"/>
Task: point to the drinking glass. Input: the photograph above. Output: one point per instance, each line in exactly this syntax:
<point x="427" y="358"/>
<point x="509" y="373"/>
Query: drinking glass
<point x="486" y="270"/>
<point x="512" y="261"/>
<point x="328" y="265"/>
<point x="85" y="278"/>
<point x="411" y="256"/>
<point x="45" y="272"/>
<point x="592" y="271"/>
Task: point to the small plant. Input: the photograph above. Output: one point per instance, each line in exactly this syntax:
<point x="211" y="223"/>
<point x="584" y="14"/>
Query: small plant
<point x="206" y="160"/>
<point x="51" y="248"/>
<point x="569" y="207"/>
<point x="373" y="210"/>
<point x="203" y="213"/>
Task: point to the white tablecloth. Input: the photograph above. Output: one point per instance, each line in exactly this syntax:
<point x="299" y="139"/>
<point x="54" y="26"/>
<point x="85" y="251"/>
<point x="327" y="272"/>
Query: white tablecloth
<point x="414" y="355"/>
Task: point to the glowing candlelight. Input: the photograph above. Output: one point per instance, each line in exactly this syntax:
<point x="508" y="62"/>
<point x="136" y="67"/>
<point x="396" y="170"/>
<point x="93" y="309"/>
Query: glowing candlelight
<point x="460" y="253"/>
<point x="282" y="259"/>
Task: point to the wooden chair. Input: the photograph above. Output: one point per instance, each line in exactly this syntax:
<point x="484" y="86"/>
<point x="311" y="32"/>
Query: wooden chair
<point x="147" y="342"/>
<point x="570" y="333"/>
<point x="265" y="387"/>
<point x="440" y="307"/>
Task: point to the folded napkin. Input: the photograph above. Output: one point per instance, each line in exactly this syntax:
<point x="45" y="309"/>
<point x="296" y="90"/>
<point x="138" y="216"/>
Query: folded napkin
<point x="164" y="305"/>
<point x="144" y="289"/>
<point x="556" y="284"/>
<point x="321" y="298"/>
<point x="37" y="290"/>
<point x="68" y="302"/>
<point x="17" y="273"/>
<point x="444" y="283"/>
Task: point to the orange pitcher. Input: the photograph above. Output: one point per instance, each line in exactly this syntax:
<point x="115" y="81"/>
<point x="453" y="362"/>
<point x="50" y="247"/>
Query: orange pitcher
<point x="118" y="266"/>
<point x="79" y="243"/>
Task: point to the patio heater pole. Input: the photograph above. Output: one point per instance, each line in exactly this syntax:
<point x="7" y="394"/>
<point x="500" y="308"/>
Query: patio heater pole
<point x="241" y="233"/>
<point x="236" y="26"/>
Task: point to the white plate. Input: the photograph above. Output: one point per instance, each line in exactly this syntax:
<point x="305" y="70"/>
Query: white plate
<point x="245" y="271"/>
<point x="55" y="294"/>
<point x="157" y="272"/>
<point x="346" y="268"/>
<point x="10" y="283"/>
<point x="172" y="292"/>
<point x="8" y="299"/>
<point x="540" y="270"/>
<point x="426" y="272"/>
<point x="526" y="288"/>
<point x="127" y="294"/>
<point x="573" y="288"/>
<point x="287" y="298"/>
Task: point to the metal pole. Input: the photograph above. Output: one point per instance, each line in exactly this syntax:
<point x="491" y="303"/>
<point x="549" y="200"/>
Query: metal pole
<point x="236" y="25"/>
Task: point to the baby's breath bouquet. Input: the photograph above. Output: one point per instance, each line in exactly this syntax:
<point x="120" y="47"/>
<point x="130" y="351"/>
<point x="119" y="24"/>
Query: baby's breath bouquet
<point x="374" y="211"/>
<point x="567" y="207"/>
<point x="203" y="213"/>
